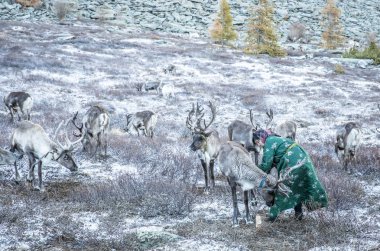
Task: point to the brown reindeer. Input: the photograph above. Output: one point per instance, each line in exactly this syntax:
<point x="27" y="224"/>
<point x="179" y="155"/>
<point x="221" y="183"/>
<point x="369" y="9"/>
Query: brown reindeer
<point x="347" y="142"/>
<point x="17" y="102"/>
<point x="206" y="144"/>
<point x="94" y="129"/>
<point x="32" y="140"/>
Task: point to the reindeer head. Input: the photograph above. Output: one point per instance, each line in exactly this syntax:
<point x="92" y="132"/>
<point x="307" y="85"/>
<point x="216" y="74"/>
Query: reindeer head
<point x="199" y="127"/>
<point x="271" y="184"/>
<point x="256" y="146"/>
<point x="62" y="153"/>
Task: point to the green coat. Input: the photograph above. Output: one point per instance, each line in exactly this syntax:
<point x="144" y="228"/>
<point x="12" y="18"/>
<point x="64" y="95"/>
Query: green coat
<point x="306" y="188"/>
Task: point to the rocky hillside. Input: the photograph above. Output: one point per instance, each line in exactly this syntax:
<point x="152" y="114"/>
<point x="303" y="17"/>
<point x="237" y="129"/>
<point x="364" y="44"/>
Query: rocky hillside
<point x="359" y="17"/>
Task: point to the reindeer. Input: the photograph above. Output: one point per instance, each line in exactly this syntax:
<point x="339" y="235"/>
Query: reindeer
<point x="241" y="132"/>
<point x="94" y="129"/>
<point x="206" y="144"/>
<point x="236" y="164"/>
<point x="145" y="121"/>
<point x="31" y="139"/>
<point x="286" y="129"/>
<point x="17" y="102"/>
<point x="347" y="143"/>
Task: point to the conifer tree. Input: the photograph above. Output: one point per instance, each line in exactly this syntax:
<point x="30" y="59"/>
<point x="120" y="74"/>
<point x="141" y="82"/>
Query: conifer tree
<point x="222" y="30"/>
<point x="332" y="35"/>
<point x="261" y="34"/>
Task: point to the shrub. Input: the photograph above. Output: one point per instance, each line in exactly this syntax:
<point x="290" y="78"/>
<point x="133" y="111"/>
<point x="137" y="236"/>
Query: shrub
<point x="62" y="7"/>
<point x="30" y="3"/>
<point x="371" y="52"/>
<point x="261" y="36"/>
<point x="222" y="29"/>
<point x="332" y="36"/>
<point x="339" y="69"/>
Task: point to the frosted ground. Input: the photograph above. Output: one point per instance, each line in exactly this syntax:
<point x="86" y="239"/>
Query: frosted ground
<point x="148" y="193"/>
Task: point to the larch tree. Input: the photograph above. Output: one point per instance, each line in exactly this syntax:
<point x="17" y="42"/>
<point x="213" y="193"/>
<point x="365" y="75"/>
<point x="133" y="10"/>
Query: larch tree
<point x="261" y="34"/>
<point x="222" y="29"/>
<point x="332" y="36"/>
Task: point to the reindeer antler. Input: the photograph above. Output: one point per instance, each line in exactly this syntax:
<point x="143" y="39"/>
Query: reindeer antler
<point x="68" y="143"/>
<point x="282" y="188"/>
<point x="189" y="122"/>
<point x="79" y="128"/>
<point x="255" y="126"/>
<point x="213" y="114"/>
<point x="270" y="116"/>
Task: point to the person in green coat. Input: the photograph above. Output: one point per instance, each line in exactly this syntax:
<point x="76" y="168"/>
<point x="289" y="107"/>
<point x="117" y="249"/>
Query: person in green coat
<point x="305" y="187"/>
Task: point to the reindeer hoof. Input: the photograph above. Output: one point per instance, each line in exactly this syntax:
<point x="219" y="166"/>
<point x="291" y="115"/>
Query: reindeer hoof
<point x="206" y="190"/>
<point x="235" y="225"/>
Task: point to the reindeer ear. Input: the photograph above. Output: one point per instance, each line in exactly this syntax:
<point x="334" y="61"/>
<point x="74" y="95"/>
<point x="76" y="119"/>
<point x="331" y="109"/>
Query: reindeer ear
<point x="208" y="134"/>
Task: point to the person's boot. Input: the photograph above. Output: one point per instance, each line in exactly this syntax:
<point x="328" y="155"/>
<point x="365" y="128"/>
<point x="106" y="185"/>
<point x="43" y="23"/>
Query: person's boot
<point x="298" y="211"/>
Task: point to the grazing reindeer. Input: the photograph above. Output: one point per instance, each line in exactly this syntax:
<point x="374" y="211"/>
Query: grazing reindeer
<point x="145" y="120"/>
<point x="241" y="132"/>
<point x="347" y="142"/>
<point x="236" y="164"/>
<point x="31" y="139"/>
<point x="206" y="144"/>
<point x="7" y="158"/>
<point x="94" y="129"/>
<point x="17" y="102"/>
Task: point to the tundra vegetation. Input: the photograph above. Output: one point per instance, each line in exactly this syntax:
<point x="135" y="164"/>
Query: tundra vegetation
<point x="146" y="194"/>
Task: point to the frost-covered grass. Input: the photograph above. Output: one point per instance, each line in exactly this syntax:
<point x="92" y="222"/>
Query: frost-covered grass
<point x="148" y="193"/>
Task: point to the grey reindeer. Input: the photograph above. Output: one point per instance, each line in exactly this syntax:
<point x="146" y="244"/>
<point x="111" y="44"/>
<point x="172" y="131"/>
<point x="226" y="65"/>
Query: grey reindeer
<point x="348" y="139"/>
<point x="206" y="144"/>
<point x="94" y="130"/>
<point x="237" y="165"/>
<point x="144" y="120"/>
<point x="19" y="102"/>
<point x="242" y="132"/>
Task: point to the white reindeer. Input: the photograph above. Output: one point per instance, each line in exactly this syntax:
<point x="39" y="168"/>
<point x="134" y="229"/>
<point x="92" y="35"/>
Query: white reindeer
<point x="31" y="139"/>
<point x="17" y="102"/>
<point x="206" y="144"/>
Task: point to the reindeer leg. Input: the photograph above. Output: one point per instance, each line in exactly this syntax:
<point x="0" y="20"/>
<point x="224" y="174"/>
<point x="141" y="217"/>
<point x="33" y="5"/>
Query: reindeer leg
<point x="236" y="212"/>
<point x="212" y="177"/>
<point x="298" y="211"/>
<point x="253" y="198"/>
<point x="248" y="217"/>
<point x="17" y="177"/>
<point x="40" y="176"/>
<point x="256" y="158"/>
<point x="32" y="161"/>
<point x="11" y="112"/>
<point x="204" y="165"/>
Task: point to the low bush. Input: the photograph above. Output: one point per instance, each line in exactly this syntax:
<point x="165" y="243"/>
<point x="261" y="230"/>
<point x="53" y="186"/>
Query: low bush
<point x="371" y="52"/>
